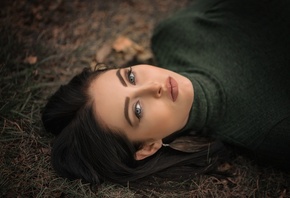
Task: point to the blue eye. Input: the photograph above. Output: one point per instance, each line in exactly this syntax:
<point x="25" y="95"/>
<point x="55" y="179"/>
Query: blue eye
<point x="131" y="77"/>
<point x="138" y="110"/>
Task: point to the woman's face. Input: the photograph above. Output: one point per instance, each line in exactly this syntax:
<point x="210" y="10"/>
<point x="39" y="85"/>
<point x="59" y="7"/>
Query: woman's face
<point x="144" y="102"/>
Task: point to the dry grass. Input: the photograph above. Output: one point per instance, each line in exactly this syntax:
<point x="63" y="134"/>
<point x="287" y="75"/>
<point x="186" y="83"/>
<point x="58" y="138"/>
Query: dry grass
<point x="64" y="36"/>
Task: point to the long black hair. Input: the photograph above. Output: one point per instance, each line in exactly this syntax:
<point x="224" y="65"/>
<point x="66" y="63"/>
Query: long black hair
<point x="84" y="149"/>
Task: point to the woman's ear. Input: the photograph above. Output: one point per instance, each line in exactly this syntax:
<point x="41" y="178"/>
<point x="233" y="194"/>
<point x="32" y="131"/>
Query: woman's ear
<point x="148" y="149"/>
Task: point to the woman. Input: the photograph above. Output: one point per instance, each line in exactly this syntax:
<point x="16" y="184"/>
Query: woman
<point x="225" y="75"/>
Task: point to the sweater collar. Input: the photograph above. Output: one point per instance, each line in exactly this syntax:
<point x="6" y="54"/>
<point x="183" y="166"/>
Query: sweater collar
<point x="208" y="105"/>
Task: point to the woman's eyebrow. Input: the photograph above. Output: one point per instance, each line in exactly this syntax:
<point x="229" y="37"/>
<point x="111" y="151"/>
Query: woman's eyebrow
<point x="118" y="73"/>
<point x="126" y="110"/>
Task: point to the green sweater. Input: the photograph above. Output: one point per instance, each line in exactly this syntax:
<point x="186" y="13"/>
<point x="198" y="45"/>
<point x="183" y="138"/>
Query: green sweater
<point x="237" y="55"/>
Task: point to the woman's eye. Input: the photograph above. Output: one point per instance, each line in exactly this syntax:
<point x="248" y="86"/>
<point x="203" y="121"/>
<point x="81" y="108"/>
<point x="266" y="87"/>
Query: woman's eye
<point x="131" y="77"/>
<point x="138" y="110"/>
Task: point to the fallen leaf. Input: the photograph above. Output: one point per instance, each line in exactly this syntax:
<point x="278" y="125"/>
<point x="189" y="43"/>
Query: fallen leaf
<point x="122" y="44"/>
<point x="283" y="194"/>
<point x="30" y="60"/>
<point x="225" y="167"/>
<point x="145" y="56"/>
<point x="103" y="52"/>
<point x="93" y="64"/>
<point x="127" y="48"/>
<point x="45" y="150"/>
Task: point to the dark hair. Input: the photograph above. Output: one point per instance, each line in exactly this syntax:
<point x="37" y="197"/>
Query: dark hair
<point x="84" y="149"/>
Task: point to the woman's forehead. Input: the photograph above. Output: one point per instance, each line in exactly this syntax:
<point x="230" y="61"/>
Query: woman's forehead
<point x="108" y="98"/>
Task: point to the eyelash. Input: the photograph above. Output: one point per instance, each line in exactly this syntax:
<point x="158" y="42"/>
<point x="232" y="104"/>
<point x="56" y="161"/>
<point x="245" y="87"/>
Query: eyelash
<point x="131" y="76"/>
<point x="138" y="110"/>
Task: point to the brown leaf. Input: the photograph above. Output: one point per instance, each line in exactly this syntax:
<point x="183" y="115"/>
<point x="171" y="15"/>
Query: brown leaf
<point x="122" y="44"/>
<point x="283" y="194"/>
<point x="144" y="56"/>
<point x="103" y="52"/>
<point x="127" y="48"/>
<point x="225" y="167"/>
<point x="45" y="150"/>
<point x="189" y="144"/>
<point x="30" y="60"/>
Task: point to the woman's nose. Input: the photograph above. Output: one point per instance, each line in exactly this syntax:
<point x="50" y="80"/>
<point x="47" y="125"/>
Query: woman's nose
<point x="149" y="89"/>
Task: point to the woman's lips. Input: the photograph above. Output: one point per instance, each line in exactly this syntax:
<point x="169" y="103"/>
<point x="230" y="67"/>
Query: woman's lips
<point x="172" y="88"/>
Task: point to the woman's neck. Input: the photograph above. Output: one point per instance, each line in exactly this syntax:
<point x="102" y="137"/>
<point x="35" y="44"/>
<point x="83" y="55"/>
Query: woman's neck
<point x="208" y="106"/>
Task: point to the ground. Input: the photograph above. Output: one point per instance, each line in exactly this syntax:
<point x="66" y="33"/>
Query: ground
<point x="43" y="45"/>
